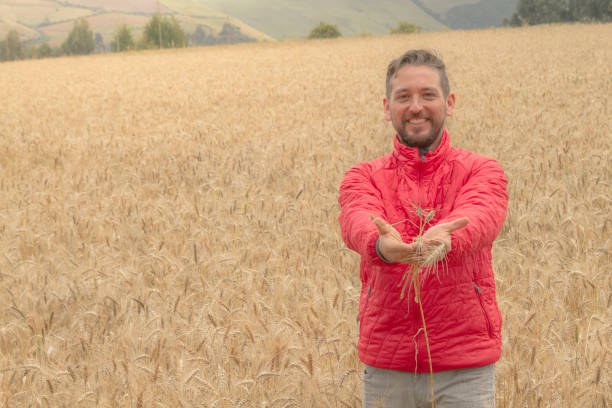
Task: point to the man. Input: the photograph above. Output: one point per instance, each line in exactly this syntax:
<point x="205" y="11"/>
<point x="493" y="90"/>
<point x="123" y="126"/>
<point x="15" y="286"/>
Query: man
<point x="383" y="203"/>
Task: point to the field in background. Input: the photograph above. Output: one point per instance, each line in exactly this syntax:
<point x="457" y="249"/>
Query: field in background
<point x="168" y="220"/>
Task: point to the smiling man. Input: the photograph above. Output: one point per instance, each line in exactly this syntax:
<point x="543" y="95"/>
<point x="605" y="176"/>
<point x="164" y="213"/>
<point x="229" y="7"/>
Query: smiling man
<point x="416" y="107"/>
<point x="383" y="203"/>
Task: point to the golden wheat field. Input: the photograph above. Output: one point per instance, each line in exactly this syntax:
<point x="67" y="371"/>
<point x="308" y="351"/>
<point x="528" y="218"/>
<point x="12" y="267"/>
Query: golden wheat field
<point x="168" y="220"/>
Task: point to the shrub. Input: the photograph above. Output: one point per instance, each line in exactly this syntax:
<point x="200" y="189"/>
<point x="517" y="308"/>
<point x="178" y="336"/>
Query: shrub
<point x="325" y="30"/>
<point x="44" y="50"/>
<point x="404" y="27"/>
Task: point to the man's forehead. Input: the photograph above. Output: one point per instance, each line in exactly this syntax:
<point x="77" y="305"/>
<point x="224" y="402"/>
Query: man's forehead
<point x="422" y="77"/>
<point x="417" y="71"/>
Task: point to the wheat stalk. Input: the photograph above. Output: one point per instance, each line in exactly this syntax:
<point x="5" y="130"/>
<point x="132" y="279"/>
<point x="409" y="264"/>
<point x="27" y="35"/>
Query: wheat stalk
<point x="429" y="259"/>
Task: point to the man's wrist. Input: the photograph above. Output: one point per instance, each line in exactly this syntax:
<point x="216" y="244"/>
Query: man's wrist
<point x="380" y="255"/>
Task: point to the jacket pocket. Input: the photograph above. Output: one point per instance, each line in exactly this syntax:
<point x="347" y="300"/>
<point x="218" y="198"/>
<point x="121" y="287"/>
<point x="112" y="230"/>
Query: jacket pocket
<point x="483" y="309"/>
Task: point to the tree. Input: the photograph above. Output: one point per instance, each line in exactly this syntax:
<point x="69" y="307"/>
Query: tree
<point x="163" y="32"/>
<point x="80" y="40"/>
<point x="514" y="21"/>
<point x="404" y="27"/>
<point x="593" y="10"/>
<point x="325" y="30"/>
<point x="99" y="43"/>
<point x="541" y="11"/>
<point x="44" y="51"/>
<point x="10" y="48"/>
<point x="231" y="34"/>
<point x="553" y="11"/>
<point x="122" y="39"/>
<point x="201" y="37"/>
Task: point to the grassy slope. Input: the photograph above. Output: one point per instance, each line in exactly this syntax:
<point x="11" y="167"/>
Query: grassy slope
<point x="295" y="18"/>
<point x="442" y="6"/>
<point x="130" y="6"/>
<point x="52" y="20"/>
<point x="25" y="32"/>
<point x="195" y="12"/>
<point x="32" y="16"/>
<point x="468" y="14"/>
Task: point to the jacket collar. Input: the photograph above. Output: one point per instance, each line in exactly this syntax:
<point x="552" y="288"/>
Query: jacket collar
<point x="405" y="155"/>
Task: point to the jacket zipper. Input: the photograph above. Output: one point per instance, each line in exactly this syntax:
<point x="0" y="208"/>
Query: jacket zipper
<point x="419" y="172"/>
<point x="484" y="312"/>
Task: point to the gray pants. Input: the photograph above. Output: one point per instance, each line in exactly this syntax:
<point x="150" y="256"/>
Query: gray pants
<point x="464" y="388"/>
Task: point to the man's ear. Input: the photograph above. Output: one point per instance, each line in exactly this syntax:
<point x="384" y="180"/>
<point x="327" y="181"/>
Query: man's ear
<point x="450" y="104"/>
<point x="387" y="110"/>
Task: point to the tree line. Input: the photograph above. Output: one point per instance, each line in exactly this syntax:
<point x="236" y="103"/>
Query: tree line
<point x="531" y="12"/>
<point x="159" y="32"/>
<point x="328" y="30"/>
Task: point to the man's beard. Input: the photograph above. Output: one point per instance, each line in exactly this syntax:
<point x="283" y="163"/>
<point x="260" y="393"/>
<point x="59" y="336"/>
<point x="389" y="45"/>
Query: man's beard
<point x="422" y="143"/>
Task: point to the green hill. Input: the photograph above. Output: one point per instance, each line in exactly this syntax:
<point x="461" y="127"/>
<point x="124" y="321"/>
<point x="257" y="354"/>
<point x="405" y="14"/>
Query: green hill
<point x="469" y="14"/>
<point x="295" y="18"/>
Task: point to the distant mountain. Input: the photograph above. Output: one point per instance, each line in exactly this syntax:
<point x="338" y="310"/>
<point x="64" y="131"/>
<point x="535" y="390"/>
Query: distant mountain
<point x="51" y="20"/>
<point x="295" y="18"/>
<point x="469" y="14"/>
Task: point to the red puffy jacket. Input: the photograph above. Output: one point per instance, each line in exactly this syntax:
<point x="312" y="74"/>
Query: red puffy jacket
<point x="461" y="312"/>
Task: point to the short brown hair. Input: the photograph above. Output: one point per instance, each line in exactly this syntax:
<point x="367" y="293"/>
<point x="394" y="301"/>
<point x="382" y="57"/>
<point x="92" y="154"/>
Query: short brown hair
<point x="419" y="57"/>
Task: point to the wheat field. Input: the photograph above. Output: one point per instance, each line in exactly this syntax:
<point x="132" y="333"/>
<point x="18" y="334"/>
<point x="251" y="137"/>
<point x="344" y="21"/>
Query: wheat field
<point x="168" y="220"/>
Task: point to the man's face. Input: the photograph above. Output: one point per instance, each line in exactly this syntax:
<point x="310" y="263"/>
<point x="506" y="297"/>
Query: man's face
<point x="417" y="107"/>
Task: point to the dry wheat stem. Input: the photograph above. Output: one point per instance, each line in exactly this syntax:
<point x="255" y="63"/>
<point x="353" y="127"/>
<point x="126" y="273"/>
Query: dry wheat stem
<point x="410" y="278"/>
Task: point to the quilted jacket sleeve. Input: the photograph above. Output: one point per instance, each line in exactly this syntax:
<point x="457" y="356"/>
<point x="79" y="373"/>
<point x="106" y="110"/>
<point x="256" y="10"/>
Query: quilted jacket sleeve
<point x="359" y="200"/>
<point x="483" y="200"/>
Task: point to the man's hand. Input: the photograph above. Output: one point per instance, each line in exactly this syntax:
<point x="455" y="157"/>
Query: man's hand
<point x="391" y="246"/>
<point x="393" y="249"/>
<point x="442" y="232"/>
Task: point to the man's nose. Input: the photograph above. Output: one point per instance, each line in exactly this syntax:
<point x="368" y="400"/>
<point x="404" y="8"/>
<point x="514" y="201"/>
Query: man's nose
<point x="415" y="105"/>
